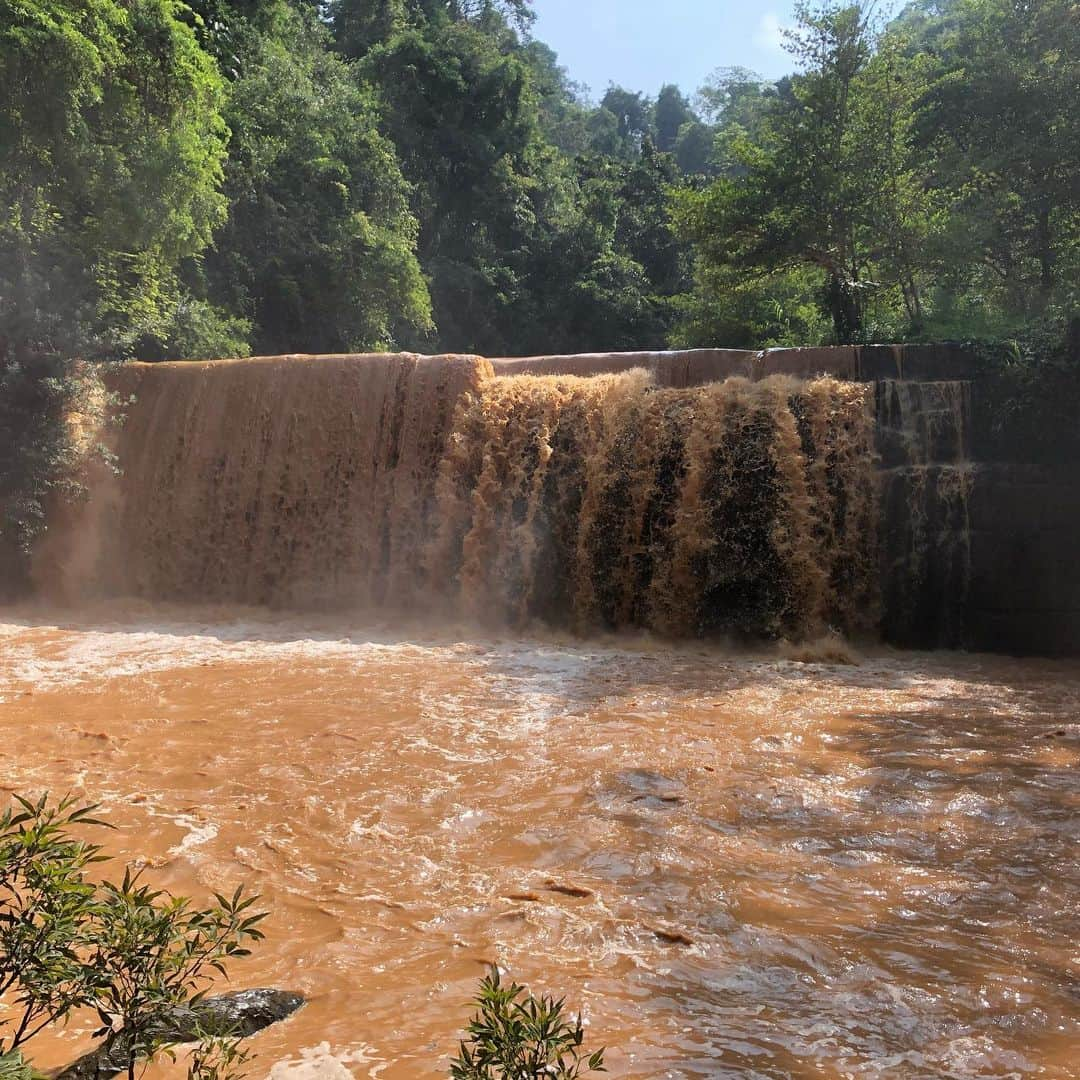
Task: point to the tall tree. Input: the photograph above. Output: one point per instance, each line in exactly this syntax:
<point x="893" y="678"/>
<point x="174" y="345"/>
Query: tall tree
<point x="826" y="180"/>
<point x="671" y="111"/>
<point x="1002" y="124"/>
<point x="113" y="143"/>
<point x="633" y="119"/>
<point x="609" y="268"/>
<point x="465" y="122"/>
<point x="319" y="247"/>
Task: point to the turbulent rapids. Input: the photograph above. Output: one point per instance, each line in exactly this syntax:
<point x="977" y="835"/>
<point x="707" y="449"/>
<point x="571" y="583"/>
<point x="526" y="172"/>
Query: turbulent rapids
<point x="738" y="866"/>
<point x="460" y="661"/>
<point x="735" y="508"/>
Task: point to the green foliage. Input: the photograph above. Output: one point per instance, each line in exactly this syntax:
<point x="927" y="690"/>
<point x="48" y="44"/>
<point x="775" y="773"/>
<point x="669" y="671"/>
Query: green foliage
<point x="670" y="114"/>
<point x="465" y="123"/>
<point x="633" y="114"/>
<point x="517" y="1036"/>
<point x="318" y="252"/>
<point x="216" y="1057"/>
<point x="131" y="953"/>
<point x="925" y="173"/>
<point x="743" y="311"/>
<point x="192" y="180"/>
<point x="694" y="149"/>
<point x="199" y="330"/>
<point x="48" y="913"/>
<point x="1006" y="143"/>
<point x="564" y="113"/>
<point x="152" y="953"/>
<point x="113" y="143"/>
<point x="604" y="272"/>
<point x="823" y="175"/>
<point x="13" y="1066"/>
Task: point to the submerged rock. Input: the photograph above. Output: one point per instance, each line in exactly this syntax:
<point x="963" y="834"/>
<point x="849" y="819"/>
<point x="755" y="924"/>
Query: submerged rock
<point x="240" y="1013"/>
<point x="577" y="891"/>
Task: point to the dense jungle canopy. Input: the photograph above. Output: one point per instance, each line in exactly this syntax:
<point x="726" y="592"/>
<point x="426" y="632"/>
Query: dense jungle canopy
<point x="225" y="176"/>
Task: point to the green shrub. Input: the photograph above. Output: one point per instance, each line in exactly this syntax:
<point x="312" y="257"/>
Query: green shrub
<point x="516" y="1036"/>
<point x="131" y="953"/>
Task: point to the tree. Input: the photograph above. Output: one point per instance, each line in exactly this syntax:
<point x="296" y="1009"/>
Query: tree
<point x="671" y="112"/>
<point x="827" y="179"/>
<point x="633" y="119"/>
<point x="734" y="96"/>
<point x="606" y="267"/>
<point x="1006" y="143"/>
<point x="113" y="143"/>
<point x="528" y="239"/>
<point x="131" y="954"/>
<point x="464" y="119"/>
<point x="694" y="147"/>
<point x="359" y="25"/>
<point x="319" y="247"/>
<point x="152" y="954"/>
<point x="735" y="102"/>
<point x="564" y="116"/>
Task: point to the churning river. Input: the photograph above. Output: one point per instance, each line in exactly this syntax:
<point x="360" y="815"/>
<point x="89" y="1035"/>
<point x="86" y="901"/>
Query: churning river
<point x="770" y="864"/>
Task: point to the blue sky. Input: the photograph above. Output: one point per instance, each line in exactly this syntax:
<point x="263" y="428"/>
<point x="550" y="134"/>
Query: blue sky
<point x="643" y="44"/>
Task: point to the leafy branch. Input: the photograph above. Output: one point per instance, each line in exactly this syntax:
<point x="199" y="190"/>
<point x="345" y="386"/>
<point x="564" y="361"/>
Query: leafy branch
<point x="517" y="1036"/>
<point x="134" y="954"/>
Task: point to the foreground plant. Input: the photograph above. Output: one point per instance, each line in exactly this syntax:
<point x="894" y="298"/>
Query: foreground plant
<point x="134" y="954"/>
<point x="516" y="1036"/>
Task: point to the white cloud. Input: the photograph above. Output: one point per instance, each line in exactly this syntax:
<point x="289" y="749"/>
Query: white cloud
<point x="770" y="32"/>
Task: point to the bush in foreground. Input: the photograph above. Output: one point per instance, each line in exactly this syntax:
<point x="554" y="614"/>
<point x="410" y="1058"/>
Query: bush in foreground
<point x="130" y="953"/>
<point x="516" y="1036"/>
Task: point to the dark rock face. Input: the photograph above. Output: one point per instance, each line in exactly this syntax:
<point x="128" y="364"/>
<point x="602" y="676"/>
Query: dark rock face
<point x="240" y="1013"/>
<point x="979" y="542"/>
<point x="1023" y="596"/>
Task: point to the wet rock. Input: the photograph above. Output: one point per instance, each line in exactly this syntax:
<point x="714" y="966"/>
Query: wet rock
<point x="578" y="891"/>
<point x="659" y="800"/>
<point x="671" y="937"/>
<point x="240" y="1013"/>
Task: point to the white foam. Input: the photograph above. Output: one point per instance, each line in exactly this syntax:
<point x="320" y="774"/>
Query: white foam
<point x="322" y="1063"/>
<point x="199" y="833"/>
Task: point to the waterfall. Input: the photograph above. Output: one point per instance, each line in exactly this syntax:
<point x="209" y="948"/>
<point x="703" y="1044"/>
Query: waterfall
<point x="734" y="507"/>
<point x="430" y="484"/>
<point x="273" y="481"/>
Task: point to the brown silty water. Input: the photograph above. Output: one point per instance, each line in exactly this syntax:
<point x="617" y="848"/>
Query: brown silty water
<point x="424" y="483"/>
<point x="780" y="860"/>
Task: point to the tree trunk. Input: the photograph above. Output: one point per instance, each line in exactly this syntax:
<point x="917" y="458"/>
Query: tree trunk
<point x="909" y="288"/>
<point x="1045" y="243"/>
<point x="845" y="309"/>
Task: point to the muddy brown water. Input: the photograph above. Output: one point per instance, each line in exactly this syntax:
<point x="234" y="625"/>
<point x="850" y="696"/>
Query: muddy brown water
<point x="736" y="865"/>
<point x="365" y="482"/>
